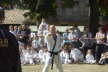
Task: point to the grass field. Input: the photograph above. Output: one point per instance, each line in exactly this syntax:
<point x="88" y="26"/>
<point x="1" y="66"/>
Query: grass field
<point x="69" y="68"/>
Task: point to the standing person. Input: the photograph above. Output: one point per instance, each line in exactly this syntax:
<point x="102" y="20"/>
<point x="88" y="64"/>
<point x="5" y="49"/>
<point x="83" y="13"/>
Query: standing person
<point x="11" y="29"/>
<point x="65" y="37"/>
<point x="53" y="41"/>
<point x="43" y="26"/>
<point x="87" y="41"/>
<point x="25" y="35"/>
<point x="100" y="40"/>
<point x="9" y="51"/>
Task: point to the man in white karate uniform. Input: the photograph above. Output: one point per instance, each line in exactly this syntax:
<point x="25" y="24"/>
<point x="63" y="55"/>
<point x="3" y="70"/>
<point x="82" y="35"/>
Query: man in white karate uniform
<point x="53" y="41"/>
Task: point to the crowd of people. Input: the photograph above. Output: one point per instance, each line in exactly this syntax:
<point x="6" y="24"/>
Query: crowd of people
<point x="76" y="46"/>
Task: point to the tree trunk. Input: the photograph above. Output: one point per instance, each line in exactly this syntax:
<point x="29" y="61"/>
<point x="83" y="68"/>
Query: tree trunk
<point x="94" y="17"/>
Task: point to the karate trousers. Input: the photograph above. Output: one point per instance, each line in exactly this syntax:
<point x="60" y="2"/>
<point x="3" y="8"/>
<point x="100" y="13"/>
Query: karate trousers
<point x="57" y="62"/>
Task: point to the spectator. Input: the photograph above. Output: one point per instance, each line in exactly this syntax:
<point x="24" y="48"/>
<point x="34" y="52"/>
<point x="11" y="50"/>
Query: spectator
<point x="100" y="40"/>
<point x="65" y="37"/>
<point x="35" y="43"/>
<point x="11" y="29"/>
<point x="76" y="54"/>
<point x="25" y="35"/>
<point x="65" y="57"/>
<point x="89" y="57"/>
<point x="87" y="41"/>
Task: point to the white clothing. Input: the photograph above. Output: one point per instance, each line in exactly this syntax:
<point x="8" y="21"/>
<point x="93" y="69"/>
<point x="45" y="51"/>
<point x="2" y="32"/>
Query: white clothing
<point x="28" y="59"/>
<point x="100" y="37"/>
<point x="41" y="53"/>
<point x="35" y="44"/>
<point x="45" y="55"/>
<point x="45" y="32"/>
<point x="12" y="32"/>
<point x="32" y="35"/>
<point x="43" y="26"/>
<point x="90" y="59"/>
<point x="73" y="36"/>
<point x="50" y="43"/>
<point x="76" y="55"/>
<point x="57" y="62"/>
<point x="65" y="57"/>
<point x="107" y="37"/>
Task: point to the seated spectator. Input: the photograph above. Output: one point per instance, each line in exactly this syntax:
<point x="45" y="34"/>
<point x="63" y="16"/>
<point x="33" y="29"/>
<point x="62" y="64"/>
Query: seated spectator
<point x="104" y="58"/>
<point x="89" y="57"/>
<point x="76" y="54"/>
<point x="28" y="57"/>
<point x="65" y="57"/>
<point x="45" y="55"/>
<point x="41" y="53"/>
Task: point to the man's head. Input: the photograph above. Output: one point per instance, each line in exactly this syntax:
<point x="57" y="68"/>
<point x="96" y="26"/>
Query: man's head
<point x="52" y="29"/>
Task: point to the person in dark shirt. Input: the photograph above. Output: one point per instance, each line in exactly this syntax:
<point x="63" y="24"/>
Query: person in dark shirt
<point x="25" y="35"/>
<point x="9" y="50"/>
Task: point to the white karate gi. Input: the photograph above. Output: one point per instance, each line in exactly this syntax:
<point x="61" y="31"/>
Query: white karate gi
<point x="65" y="57"/>
<point x="41" y="53"/>
<point x="90" y="59"/>
<point x="29" y="58"/>
<point x="76" y="55"/>
<point x="35" y="44"/>
<point x="50" y="43"/>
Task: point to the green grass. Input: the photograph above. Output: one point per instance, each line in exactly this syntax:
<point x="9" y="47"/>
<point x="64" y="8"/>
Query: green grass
<point x="69" y="68"/>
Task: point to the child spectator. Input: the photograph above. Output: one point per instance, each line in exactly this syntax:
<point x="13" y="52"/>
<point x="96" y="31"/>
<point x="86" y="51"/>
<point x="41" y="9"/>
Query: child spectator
<point x="76" y="54"/>
<point x="45" y="55"/>
<point x="35" y="43"/>
<point x="65" y="57"/>
<point x="89" y="57"/>
<point x="41" y="53"/>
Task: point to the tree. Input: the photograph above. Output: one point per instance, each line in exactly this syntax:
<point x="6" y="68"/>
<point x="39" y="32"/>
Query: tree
<point x="103" y="7"/>
<point x="9" y="4"/>
<point x="39" y="8"/>
<point x="94" y="17"/>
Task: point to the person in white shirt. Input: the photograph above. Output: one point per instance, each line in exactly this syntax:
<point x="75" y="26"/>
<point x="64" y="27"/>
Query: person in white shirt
<point x="35" y="43"/>
<point x="28" y="56"/>
<point x="43" y="26"/>
<point x="65" y="57"/>
<point x="45" y="55"/>
<point x="53" y="41"/>
<point x="89" y="57"/>
<point x="35" y="56"/>
<point x="100" y="40"/>
<point x="41" y="54"/>
<point x="76" y="54"/>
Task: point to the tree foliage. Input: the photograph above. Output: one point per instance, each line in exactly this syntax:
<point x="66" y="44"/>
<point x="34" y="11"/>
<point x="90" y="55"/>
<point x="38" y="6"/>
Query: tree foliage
<point x="39" y="8"/>
<point x="9" y="4"/>
<point x="103" y="7"/>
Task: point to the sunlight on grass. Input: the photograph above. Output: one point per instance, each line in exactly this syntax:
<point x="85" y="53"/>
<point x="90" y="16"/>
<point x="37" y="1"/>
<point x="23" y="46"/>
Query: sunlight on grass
<point x="69" y="68"/>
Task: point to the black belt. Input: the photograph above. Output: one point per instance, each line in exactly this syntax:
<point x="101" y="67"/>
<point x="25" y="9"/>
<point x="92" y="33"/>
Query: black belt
<point x="53" y="53"/>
